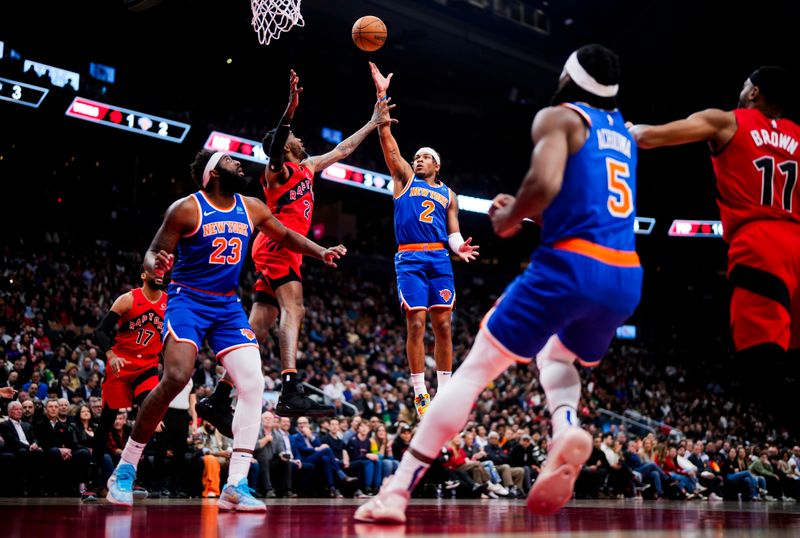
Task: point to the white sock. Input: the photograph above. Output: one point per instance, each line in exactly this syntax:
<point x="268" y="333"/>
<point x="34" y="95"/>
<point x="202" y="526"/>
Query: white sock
<point x="244" y="367"/>
<point x="442" y="379"/>
<point x="418" y="381"/>
<point x="238" y="466"/>
<point x="132" y="452"/>
<point x="450" y="409"/>
<point x="561" y="383"/>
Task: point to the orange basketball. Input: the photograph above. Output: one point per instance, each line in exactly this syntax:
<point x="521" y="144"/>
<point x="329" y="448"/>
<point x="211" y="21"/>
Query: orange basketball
<point x="369" y="33"/>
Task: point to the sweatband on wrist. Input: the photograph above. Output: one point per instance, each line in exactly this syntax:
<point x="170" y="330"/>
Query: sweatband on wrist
<point x="384" y="98"/>
<point x="455" y="241"/>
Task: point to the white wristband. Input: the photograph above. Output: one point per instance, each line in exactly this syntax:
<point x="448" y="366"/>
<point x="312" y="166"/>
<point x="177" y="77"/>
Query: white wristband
<point x="455" y="241"/>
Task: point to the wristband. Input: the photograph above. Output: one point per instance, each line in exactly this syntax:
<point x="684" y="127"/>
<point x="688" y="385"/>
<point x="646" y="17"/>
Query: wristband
<point x="455" y="241"/>
<point x="384" y="98"/>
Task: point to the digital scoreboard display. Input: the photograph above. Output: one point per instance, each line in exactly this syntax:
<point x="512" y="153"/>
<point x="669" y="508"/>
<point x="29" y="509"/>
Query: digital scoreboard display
<point x="695" y="228"/>
<point x="128" y="120"/>
<point x="22" y="93"/>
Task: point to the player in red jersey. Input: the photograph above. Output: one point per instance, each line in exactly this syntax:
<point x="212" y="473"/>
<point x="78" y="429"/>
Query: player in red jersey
<point x="755" y="155"/>
<point x="130" y="336"/>
<point x="288" y="183"/>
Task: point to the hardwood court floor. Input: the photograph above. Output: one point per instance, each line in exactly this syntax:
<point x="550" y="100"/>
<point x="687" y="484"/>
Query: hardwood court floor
<point x="312" y="518"/>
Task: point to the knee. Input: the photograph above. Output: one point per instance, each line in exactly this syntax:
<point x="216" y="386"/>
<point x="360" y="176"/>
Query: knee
<point x="416" y="327"/>
<point x="441" y="327"/>
<point x="175" y="378"/>
<point x="261" y="331"/>
<point x="294" y="309"/>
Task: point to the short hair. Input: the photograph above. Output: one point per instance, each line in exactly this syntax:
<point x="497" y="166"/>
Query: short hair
<point x="603" y="65"/>
<point x="774" y="83"/>
<point x="198" y="166"/>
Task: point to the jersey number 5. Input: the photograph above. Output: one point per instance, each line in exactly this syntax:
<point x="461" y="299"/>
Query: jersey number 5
<point x="220" y="245"/>
<point x="425" y="216"/>
<point x="620" y="201"/>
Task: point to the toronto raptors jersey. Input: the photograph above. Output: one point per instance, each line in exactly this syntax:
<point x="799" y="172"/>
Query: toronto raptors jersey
<point x="139" y="334"/>
<point x="757" y="171"/>
<point x="293" y="202"/>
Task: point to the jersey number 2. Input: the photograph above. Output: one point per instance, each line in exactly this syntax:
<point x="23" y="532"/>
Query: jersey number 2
<point x="221" y="245"/>
<point x="620" y="201"/>
<point x="425" y="216"/>
<point x="767" y="167"/>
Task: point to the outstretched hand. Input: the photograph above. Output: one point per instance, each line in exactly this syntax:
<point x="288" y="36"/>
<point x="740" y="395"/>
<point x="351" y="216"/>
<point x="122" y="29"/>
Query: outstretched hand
<point x="381" y="82"/>
<point x="294" y="91"/>
<point x="380" y="115"/>
<point x="467" y="251"/>
<point x="330" y="255"/>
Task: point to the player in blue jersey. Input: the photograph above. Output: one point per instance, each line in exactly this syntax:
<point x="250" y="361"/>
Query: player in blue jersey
<point x="584" y="280"/>
<point x="211" y="230"/>
<point x="425" y="219"/>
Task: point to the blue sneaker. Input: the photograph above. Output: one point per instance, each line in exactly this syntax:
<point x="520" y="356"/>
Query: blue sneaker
<point x="120" y="485"/>
<point x="239" y="498"/>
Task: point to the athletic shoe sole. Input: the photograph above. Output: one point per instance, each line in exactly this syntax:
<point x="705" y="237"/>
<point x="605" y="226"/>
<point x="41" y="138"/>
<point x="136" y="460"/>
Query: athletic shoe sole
<point x="225" y="505"/>
<point x="553" y="488"/>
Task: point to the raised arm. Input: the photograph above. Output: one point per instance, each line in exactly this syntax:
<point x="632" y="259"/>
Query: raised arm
<point x="399" y="168"/>
<point x="713" y="125"/>
<point x="463" y="249"/>
<point x="551" y="132"/>
<point x="277" y="171"/>
<point x="181" y="219"/>
<point x="380" y="116"/>
<point x="265" y="221"/>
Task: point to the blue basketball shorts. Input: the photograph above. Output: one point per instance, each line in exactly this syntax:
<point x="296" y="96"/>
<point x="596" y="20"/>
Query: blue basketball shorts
<point x="424" y="279"/>
<point x="193" y="316"/>
<point x="578" y="298"/>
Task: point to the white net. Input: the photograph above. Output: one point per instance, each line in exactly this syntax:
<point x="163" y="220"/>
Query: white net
<point x="273" y="17"/>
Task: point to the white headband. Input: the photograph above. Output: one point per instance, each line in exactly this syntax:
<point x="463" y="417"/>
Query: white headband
<point x="431" y="152"/>
<point x="212" y="163"/>
<point x="586" y="81"/>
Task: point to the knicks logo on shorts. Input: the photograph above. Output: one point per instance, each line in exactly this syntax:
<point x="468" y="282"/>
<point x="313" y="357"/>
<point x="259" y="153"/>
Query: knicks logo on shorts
<point x="247" y="333"/>
<point x="445" y="295"/>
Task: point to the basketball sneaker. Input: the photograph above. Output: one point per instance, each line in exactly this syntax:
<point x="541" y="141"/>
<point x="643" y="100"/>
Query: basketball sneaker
<point x="239" y="498"/>
<point x="120" y="485"/>
<point x="387" y="507"/>
<point x="218" y="412"/>
<point x="298" y="404"/>
<point x="553" y="487"/>
<point x="422" y="402"/>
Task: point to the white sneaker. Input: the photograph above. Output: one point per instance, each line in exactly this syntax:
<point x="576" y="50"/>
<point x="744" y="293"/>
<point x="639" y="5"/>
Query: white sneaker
<point x="553" y="487"/>
<point x="385" y="507"/>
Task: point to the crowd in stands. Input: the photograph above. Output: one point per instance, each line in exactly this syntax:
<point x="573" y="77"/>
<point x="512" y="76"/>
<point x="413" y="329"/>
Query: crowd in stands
<point x="352" y="349"/>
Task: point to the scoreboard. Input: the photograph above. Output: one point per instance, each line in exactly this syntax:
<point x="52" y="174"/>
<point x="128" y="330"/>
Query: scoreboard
<point x="128" y="120"/>
<point x="695" y="228"/>
<point x="22" y="93"/>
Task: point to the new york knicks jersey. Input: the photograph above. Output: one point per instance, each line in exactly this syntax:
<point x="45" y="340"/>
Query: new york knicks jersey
<point x="210" y="258"/>
<point x="420" y="213"/>
<point x="597" y="198"/>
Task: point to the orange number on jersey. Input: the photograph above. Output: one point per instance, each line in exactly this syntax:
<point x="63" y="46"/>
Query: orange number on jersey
<point x="426" y="214"/>
<point x="221" y="244"/>
<point x="620" y="201"/>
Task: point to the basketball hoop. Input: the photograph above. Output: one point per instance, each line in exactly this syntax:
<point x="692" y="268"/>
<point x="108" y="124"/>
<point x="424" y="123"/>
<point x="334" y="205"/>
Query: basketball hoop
<point x="273" y="17"/>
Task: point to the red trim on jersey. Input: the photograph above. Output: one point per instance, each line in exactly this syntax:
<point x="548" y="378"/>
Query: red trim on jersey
<point x="218" y="294"/>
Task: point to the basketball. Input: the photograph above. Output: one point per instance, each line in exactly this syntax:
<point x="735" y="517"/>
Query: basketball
<point x="369" y="33"/>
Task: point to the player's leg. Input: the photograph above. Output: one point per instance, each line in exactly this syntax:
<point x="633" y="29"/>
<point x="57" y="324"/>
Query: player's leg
<point x="293" y="402"/>
<point x="412" y="290"/>
<point x="216" y="408"/>
<point x="244" y="365"/>
<point x="441" y="299"/>
<point x="514" y="330"/>
<point x="179" y="359"/>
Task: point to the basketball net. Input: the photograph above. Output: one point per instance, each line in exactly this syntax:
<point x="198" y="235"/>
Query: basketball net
<point x="273" y="17"/>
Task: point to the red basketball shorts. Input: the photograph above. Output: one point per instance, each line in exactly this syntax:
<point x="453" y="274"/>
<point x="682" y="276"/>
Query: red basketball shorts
<point x="276" y="266"/>
<point x="120" y="391"/>
<point x="764" y="269"/>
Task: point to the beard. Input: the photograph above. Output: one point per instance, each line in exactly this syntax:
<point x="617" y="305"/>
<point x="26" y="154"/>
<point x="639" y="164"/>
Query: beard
<point x="230" y="182"/>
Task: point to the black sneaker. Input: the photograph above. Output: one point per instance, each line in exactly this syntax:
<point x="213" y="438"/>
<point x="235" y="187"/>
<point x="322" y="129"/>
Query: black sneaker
<point x="297" y="404"/>
<point x="218" y="414"/>
<point x="88" y="495"/>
